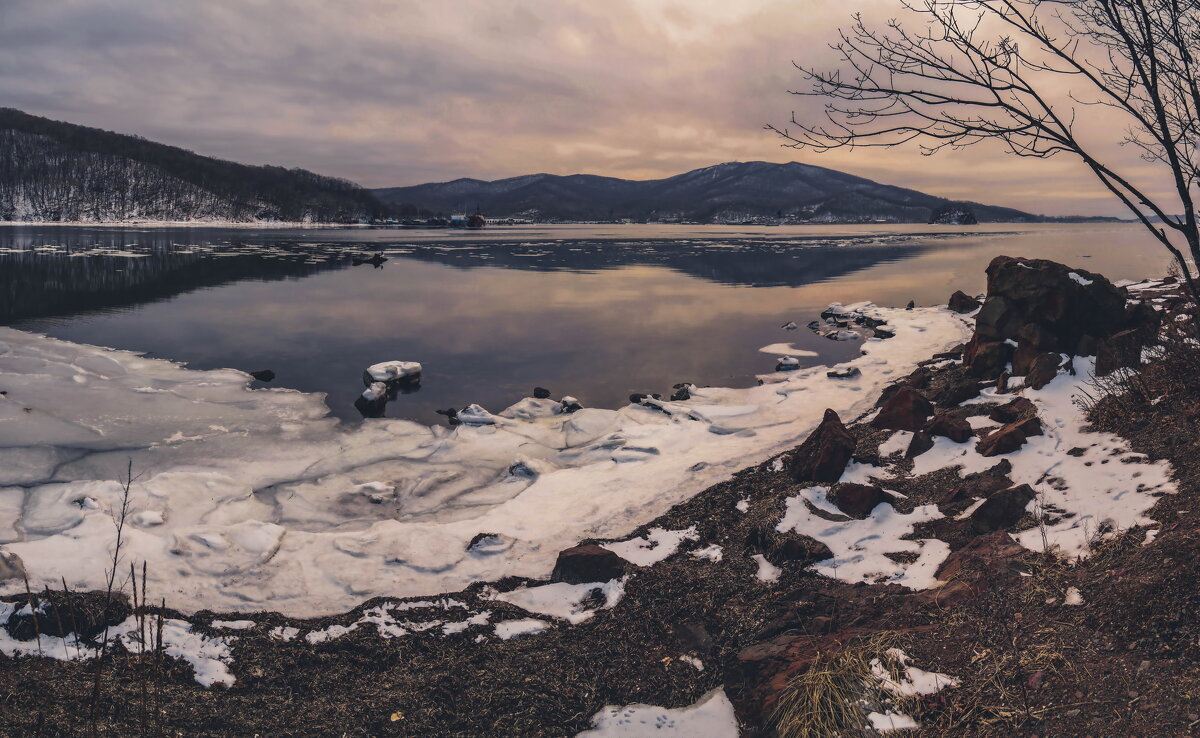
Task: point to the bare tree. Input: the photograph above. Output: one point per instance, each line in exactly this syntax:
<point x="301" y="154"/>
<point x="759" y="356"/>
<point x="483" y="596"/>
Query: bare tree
<point x="1024" y="73"/>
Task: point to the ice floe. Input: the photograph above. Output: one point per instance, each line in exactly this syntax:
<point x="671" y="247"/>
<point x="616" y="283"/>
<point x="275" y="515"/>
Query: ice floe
<point x="242" y="497"/>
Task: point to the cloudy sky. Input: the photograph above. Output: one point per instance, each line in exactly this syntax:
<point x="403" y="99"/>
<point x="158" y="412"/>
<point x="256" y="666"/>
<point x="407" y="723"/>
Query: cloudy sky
<point x="396" y="92"/>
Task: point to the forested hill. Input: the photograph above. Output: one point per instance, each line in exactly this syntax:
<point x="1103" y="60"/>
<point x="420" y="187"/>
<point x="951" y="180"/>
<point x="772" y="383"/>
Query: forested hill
<point x="55" y="172"/>
<point x="731" y="191"/>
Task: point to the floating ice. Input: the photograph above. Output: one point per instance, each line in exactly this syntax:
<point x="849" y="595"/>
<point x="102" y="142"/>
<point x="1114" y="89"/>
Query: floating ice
<point x="392" y="371"/>
<point x="264" y="498"/>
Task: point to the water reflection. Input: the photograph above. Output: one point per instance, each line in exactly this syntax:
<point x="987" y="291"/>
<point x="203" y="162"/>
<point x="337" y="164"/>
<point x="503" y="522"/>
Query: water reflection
<point x="596" y="313"/>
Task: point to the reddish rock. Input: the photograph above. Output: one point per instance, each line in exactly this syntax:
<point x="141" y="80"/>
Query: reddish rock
<point x="1121" y="350"/>
<point x="961" y="302"/>
<point x="920" y="443"/>
<point x="986" y="358"/>
<point x="950" y="425"/>
<point x="1043" y="370"/>
<point x="955" y="392"/>
<point x="907" y="409"/>
<point x="857" y="500"/>
<point x="587" y="563"/>
<point x="1003" y="440"/>
<point x="983" y="558"/>
<point x="1010" y="411"/>
<point x="1002" y="510"/>
<point x="824" y="454"/>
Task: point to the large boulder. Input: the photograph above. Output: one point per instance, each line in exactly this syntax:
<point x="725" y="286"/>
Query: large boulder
<point x="1043" y="370"/>
<point x="824" y="454"/>
<point x="950" y="425"/>
<point x="906" y="409"/>
<point x="587" y="563"/>
<point x="1068" y="303"/>
<point x="986" y="358"/>
<point x="1009" y="438"/>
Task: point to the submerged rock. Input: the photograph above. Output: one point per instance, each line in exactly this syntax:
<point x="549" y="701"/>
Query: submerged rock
<point x="263" y="375"/>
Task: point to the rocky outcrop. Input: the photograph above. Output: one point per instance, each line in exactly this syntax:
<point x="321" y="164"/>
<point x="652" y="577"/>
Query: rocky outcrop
<point x="1040" y="307"/>
<point x="824" y="454"/>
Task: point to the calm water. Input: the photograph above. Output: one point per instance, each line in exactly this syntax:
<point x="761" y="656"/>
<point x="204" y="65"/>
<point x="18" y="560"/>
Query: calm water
<point x="596" y="312"/>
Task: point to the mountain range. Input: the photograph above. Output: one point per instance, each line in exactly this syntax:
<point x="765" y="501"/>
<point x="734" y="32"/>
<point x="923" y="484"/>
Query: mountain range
<point x="52" y="171"/>
<point x="733" y="191"/>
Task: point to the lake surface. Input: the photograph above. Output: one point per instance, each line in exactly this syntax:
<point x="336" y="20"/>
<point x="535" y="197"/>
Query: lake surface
<point x="597" y="312"/>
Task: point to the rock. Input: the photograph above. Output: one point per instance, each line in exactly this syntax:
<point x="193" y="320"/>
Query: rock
<point x="1002" y="510"/>
<point x="950" y="425"/>
<point x="787" y="364"/>
<point x="1003" y="440"/>
<point x="814" y="325"/>
<point x="983" y="559"/>
<point x="541" y="393"/>
<point x="824" y="454"/>
<point x="919" y="444"/>
<point x="763" y="538"/>
<point x="489" y="544"/>
<point x="986" y="358"/>
<point x="83" y="613"/>
<point x="961" y="302"/>
<point x="1017" y="408"/>
<point x="1068" y="303"/>
<point x="450" y="413"/>
<point x="857" y="500"/>
<point x="398" y="372"/>
<point x="1119" y="351"/>
<point x="682" y="392"/>
<point x="883" y="333"/>
<point x="587" y="563"/>
<point x="1032" y="340"/>
<point x="475" y="415"/>
<point x="570" y="404"/>
<point x="907" y="409"/>
<point x="263" y="375"/>
<point x="1087" y="346"/>
<point x="789" y="326"/>
<point x="911" y="304"/>
<point x="11" y="566"/>
<point x="847" y="373"/>
<point x="373" y="400"/>
<point x="954" y="393"/>
<point x="1043" y="370"/>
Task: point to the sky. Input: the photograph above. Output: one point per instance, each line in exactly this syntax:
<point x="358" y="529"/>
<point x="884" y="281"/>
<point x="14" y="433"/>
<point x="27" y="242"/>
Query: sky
<point x="394" y="92"/>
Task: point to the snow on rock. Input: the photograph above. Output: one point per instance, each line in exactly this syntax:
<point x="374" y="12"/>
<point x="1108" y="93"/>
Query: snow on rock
<point x="711" y="717"/>
<point x="860" y="547"/>
<point x="258" y="488"/>
<point x="393" y="371"/>
<point x="475" y="415"/>
<point x="565" y="601"/>
<point x="653" y="547"/>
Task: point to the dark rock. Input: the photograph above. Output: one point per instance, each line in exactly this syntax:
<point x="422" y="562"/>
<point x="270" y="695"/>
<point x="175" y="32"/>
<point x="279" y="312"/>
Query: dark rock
<point x="1002" y="383"/>
<point x="1087" y="346"/>
<point x="883" y="333"/>
<point x="814" y="325"/>
<point x="906" y="409"/>
<point x="1043" y="370"/>
<point x="450" y="413"/>
<point x="570" y="405"/>
<point x="847" y="373"/>
<point x="1045" y="293"/>
<point x="587" y="563"/>
<point x="986" y="358"/>
<point x="1003" y="440"/>
<point x="83" y="613"/>
<point x="1142" y="317"/>
<point x="787" y="364"/>
<point x="956" y="392"/>
<point x="951" y="425"/>
<point x="541" y="393"/>
<point x="911" y="304"/>
<point x="920" y="443"/>
<point x="981" y="560"/>
<point x="263" y="375"/>
<point x="682" y="392"/>
<point x="1010" y="411"/>
<point x="961" y="302"/>
<point x="857" y="500"/>
<point x="1120" y="350"/>
<point x="824" y="454"/>
<point x="954" y="353"/>
<point x="1002" y="510"/>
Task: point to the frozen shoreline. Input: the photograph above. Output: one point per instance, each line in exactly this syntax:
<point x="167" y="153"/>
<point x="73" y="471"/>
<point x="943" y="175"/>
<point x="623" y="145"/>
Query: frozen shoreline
<point x="267" y="224"/>
<point x="250" y="500"/>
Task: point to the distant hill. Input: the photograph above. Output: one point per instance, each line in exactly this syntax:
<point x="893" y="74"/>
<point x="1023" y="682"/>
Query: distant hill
<point x="735" y="191"/>
<point x="54" y="172"/>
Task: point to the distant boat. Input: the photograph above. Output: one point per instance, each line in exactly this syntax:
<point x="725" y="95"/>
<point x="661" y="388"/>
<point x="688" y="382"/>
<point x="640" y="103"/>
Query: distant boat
<point x="476" y="221"/>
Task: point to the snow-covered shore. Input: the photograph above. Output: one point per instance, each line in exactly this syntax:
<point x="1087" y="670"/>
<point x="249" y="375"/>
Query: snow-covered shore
<point x="256" y="224"/>
<point x="256" y="499"/>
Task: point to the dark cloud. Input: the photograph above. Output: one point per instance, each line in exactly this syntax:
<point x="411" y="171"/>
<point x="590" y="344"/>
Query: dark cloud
<point x="388" y="93"/>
